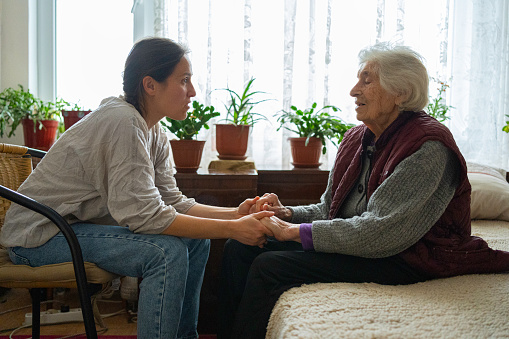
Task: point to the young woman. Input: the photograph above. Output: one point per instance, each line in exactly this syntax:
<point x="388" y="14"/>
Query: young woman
<point x="110" y="175"/>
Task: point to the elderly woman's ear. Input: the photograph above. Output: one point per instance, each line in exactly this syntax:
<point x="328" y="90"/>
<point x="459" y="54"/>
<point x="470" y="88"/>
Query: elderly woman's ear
<point x="401" y="98"/>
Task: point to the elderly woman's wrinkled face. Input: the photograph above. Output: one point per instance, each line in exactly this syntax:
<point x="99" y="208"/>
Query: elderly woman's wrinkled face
<point x="376" y="107"/>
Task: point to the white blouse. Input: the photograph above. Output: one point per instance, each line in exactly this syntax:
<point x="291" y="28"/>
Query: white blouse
<point x="109" y="169"/>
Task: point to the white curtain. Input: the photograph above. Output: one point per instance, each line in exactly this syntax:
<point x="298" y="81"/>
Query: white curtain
<point x="480" y="85"/>
<point x="305" y="51"/>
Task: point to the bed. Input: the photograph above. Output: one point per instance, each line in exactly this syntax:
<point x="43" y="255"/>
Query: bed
<point x="469" y="306"/>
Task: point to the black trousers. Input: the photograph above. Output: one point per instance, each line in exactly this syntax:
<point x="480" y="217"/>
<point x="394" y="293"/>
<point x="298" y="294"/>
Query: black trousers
<point x="253" y="278"/>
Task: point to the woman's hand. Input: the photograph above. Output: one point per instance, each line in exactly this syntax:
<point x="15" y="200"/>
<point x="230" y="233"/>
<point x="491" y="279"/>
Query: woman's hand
<point x="248" y="206"/>
<point x="270" y="202"/>
<point x="282" y="230"/>
<point x="251" y="231"/>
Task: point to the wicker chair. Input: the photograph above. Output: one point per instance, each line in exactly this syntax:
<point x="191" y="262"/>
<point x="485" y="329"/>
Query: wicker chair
<point x="15" y="166"/>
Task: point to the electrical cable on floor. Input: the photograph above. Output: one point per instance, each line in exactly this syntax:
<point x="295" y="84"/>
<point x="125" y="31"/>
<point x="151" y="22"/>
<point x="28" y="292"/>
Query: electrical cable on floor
<point x="99" y="331"/>
<point x="102" y="328"/>
<point x="17" y="329"/>
<point x="28" y="306"/>
<point x="8" y="329"/>
<point x="113" y="314"/>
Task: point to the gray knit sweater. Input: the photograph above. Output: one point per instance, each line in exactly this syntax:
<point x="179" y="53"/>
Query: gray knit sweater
<point x="400" y="211"/>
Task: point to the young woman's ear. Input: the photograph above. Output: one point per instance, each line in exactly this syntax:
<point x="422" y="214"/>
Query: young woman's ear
<point x="149" y="85"/>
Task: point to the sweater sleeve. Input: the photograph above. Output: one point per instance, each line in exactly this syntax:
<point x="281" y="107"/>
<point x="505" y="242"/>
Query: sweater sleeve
<point x="319" y="211"/>
<point x="400" y="211"/>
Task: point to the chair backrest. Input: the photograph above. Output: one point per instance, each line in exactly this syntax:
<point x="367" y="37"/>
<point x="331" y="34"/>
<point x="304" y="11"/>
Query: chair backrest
<point x="15" y="167"/>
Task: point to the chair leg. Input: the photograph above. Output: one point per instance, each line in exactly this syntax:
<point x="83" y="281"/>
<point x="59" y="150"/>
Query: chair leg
<point x="35" y="293"/>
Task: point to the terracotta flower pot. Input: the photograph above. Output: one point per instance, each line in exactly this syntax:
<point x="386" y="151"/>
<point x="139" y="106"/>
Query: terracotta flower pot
<point x="231" y="141"/>
<point x="72" y="117"/>
<point x="187" y="154"/>
<point x="42" y="138"/>
<point x="306" y="156"/>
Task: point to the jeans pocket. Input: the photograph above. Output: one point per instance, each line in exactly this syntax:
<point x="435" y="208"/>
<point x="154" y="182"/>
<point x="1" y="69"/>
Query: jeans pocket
<point x="16" y="258"/>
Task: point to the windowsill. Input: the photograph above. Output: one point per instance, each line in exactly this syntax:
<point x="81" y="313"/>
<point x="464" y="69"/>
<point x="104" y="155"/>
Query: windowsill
<point x="264" y="169"/>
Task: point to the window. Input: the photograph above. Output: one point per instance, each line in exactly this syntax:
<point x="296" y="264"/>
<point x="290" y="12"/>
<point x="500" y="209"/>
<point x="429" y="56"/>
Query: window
<point x="93" y="39"/>
<point x="299" y="52"/>
<point x="304" y="51"/>
<point x="308" y="55"/>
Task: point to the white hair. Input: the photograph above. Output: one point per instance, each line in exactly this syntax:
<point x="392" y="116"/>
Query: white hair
<point x="401" y="72"/>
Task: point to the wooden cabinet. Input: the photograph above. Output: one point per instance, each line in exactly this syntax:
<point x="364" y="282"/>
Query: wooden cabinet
<point x="293" y="187"/>
<point x="227" y="189"/>
<point x="218" y="188"/>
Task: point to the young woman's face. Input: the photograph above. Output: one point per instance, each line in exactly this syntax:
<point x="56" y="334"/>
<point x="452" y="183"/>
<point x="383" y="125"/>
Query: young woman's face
<point x="176" y="92"/>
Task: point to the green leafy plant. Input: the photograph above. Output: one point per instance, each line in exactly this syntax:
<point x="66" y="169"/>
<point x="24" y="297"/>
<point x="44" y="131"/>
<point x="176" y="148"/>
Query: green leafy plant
<point x="19" y="103"/>
<point x="197" y="119"/>
<point x="74" y="107"/>
<point x="15" y="105"/>
<point x="437" y="107"/>
<point x="314" y="123"/>
<point x="239" y="110"/>
<point x="506" y="127"/>
<point x="49" y="110"/>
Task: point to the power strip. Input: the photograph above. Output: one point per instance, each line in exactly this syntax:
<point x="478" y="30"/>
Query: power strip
<point x="52" y="316"/>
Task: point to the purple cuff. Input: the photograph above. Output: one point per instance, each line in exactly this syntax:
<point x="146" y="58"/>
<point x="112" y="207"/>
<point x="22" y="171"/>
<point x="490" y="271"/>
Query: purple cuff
<point x="306" y="237"/>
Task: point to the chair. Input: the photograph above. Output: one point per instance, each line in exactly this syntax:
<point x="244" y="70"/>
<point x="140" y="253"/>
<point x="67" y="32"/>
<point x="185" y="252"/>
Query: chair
<point x="15" y="166"/>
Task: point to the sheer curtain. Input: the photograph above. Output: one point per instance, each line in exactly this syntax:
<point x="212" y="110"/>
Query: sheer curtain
<point x="480" y="85"/>
<point x="305" y="51"/>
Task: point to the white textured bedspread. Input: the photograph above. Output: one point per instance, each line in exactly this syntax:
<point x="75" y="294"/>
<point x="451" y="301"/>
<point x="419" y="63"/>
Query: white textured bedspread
<point x="471" y="306"/>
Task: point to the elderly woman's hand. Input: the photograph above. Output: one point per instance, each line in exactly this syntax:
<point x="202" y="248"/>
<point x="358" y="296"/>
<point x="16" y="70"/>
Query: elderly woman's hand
<point x="250" y="229"/>
<point x="270" y="202"/>
<point x="282" y="230"/>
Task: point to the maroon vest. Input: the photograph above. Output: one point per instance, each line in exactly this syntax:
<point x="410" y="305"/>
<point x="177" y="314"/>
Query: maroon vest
<point x="448" y="249"/>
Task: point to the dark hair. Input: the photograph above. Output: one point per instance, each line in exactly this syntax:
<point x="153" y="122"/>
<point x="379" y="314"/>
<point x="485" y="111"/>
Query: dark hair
<point x="154" y="57"/>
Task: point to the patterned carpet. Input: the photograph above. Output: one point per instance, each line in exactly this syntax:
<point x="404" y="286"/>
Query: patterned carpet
<point x="100" y="337"/>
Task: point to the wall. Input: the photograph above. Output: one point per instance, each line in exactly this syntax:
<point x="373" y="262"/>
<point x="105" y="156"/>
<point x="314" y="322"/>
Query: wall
<point x="17" y="49"/>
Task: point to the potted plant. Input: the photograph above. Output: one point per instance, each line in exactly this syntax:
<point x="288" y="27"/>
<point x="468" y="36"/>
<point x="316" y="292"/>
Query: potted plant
<point x="15" y="104"/>
<point x="73" y="114"/>
<point x="232" y="136"/>
<point x="186" y="150"/>
<point x="312" y="127"/>
<point x="40" y="120"/>
<point x="436" y="106"/>
<point x="40" y="127"/>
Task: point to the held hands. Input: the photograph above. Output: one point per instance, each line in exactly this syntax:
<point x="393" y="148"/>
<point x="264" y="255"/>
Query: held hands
<point x="269" y="212"/>
<point x="248" y="206"/>
<point x="268" y="202"/>
<point x="282" y="230"/>
<point x="251" y="231"/>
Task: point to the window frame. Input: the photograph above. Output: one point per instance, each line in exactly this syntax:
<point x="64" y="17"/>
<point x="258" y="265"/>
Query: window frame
<point x="43" y="25"/>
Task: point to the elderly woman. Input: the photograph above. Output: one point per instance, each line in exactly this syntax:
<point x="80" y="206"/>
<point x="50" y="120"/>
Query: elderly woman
<point x="396" y="209"/>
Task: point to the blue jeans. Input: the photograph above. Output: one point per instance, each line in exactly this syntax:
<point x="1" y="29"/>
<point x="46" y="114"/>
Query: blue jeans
<point x="172" y="269"/>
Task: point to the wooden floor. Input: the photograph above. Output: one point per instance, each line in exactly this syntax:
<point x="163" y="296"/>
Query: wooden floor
<point x="120" y="324"/>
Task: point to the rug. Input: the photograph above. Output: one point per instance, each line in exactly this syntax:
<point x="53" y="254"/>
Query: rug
<point x="77" y="337"/>
<point x="207" y="336"/>
<point x="470" y="306"/>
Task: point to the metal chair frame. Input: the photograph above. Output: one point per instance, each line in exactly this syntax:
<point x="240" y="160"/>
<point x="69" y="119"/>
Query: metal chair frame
<point x="77" y="258"/>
